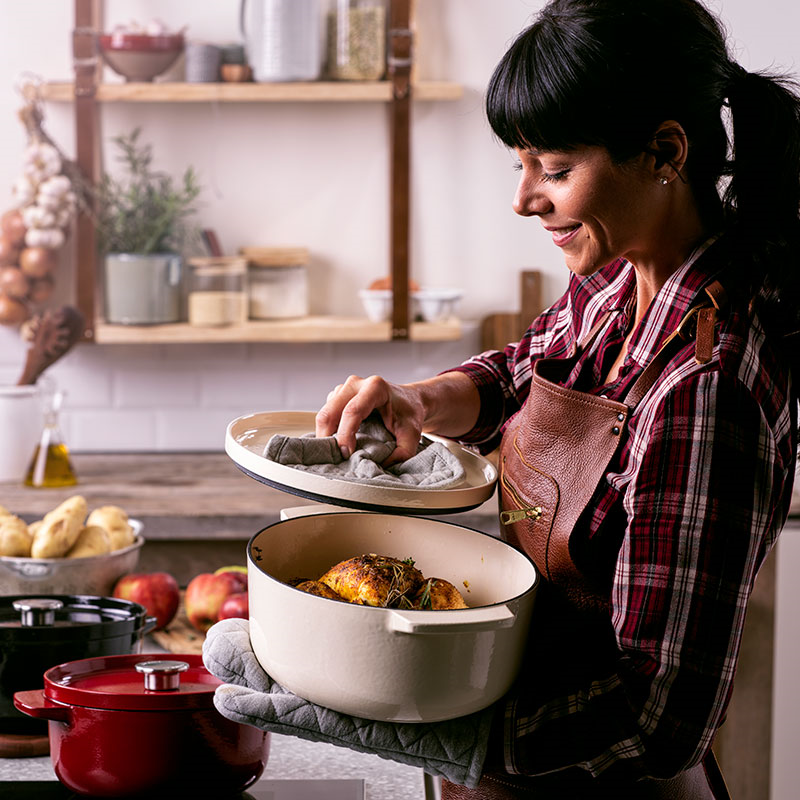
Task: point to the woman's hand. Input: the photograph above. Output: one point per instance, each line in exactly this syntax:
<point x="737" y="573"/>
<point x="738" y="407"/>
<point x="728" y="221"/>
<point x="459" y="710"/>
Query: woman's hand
<point x="349" y="404"/>
<point x="447" y="404"/>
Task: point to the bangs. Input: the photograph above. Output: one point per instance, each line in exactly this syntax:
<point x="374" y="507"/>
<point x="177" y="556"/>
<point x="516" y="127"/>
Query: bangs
<point x="549" y="94"/>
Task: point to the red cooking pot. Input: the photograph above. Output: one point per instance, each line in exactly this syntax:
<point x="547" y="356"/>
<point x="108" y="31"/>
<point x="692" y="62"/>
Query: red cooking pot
<point x="127" y="725"/>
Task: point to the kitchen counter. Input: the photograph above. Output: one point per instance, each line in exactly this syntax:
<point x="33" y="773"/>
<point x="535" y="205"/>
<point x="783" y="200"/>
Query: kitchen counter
<point x="182" y="495"/>
<point x="198" y="509"/>
<point x="289" y="758"/>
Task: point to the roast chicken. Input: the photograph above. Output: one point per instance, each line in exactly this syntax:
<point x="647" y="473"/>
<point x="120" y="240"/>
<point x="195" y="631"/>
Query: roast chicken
<point x="437" y="594"/>
<point x="383" y="582"/>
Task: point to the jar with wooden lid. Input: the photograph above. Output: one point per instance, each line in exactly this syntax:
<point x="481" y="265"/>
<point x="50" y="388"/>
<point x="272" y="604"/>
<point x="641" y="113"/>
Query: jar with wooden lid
<point x="277" y="281"/>
<point x="217" y="291"/>
<point x="356" y="40"/>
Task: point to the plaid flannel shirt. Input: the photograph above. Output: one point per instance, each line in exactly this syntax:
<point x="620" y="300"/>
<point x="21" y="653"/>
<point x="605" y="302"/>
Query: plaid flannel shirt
<point x="697" y="496"/>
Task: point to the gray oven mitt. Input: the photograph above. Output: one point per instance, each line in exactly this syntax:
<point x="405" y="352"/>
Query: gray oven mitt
<point x="454" y="749"/>
<point x="432" y="467"/>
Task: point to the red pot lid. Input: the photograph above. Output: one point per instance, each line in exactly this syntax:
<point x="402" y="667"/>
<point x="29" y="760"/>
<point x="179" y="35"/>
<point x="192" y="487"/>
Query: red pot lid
<point x="115" y="682"/>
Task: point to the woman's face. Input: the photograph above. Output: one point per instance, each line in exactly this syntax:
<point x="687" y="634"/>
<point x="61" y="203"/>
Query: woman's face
<point x="594" y="209"/>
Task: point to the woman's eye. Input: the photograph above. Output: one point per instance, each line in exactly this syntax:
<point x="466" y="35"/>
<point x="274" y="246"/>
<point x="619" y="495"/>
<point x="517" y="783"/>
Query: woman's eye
<point x="554" y="177"/>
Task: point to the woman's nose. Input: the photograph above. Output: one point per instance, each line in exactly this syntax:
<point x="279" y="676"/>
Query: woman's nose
<point x="529" y="200"/>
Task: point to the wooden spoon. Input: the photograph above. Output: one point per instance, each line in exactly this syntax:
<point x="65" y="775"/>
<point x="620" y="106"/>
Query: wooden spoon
<point x="50" y="335"/>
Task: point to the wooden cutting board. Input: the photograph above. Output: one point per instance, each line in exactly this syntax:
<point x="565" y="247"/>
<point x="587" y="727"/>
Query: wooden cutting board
<point x="179" y="636"/>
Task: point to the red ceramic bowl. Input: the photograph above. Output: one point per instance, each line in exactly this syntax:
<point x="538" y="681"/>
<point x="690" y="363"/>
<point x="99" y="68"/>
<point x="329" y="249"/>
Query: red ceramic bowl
<point x="138" y="56"/>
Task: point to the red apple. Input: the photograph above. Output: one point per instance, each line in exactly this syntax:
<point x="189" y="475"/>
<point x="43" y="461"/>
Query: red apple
<point x="234" y="605"/>
<point x="239" y="573"/>
<point x="205" y="595"/>
<point x="157" y="591"/>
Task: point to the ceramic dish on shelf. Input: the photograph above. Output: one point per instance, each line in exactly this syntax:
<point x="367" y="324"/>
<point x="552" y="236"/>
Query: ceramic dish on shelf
<point x="95" y="575"/>
<point x="429" y="305"/>
<point x="140" y="56"/>
<point x="246" y="438"/>
<point x="435" y="305"/>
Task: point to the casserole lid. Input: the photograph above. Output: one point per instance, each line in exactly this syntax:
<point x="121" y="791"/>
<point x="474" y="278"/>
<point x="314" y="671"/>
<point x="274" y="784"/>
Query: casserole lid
<point x="33" y="618"/>
<point x="246" y="438"/>
<point x="144" y="682"/>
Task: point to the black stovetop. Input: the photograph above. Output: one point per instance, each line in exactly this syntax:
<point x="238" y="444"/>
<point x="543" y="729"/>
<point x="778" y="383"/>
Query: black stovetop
<point x="261" y="790"/>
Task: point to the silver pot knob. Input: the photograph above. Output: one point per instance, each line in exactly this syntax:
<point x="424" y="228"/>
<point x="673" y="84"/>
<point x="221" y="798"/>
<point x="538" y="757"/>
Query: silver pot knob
<point x="37" y="611"/>
<point x="162" y="676"/>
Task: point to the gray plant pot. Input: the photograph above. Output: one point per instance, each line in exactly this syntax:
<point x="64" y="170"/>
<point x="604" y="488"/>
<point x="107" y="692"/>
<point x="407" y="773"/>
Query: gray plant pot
<point x="143" y="289"/>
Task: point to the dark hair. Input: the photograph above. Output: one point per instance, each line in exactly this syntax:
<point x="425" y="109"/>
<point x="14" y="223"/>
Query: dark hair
<point x="609" y="72"/>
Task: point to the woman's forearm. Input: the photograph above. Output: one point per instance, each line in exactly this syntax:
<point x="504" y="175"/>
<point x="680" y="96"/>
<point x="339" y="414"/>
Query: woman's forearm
<point x="451" y="403"/>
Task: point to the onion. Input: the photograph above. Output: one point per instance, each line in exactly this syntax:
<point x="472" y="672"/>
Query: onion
<point x="38" y="262"/>
<point x="13" y="282"/>
<point x="13" y="227"/>
<point x="12" y="312"/>
<point x="8" y="253"/>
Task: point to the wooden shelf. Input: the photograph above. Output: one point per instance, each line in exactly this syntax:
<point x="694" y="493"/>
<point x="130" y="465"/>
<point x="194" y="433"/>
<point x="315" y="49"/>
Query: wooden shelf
<point x="303" y="330"/>
<point x="317" y="91"/>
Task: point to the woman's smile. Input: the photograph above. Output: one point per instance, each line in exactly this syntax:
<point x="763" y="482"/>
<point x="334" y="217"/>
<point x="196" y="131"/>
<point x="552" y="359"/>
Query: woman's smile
<point x="562" y="236"/>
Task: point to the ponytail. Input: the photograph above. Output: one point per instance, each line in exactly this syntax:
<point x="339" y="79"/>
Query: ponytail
<point x="762" y="200"/>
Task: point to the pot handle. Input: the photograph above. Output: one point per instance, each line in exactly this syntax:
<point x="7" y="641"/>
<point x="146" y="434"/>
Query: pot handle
<point x="149" y="625"/>
<point x="35" y="704"/>
<point x="489" y="618"/>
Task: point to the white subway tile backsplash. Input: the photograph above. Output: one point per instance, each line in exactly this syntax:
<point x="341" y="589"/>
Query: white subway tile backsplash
<point x="162" y="385"/>
<point x="111" y="430"/>
<point x="194" y="430"/>
<point x="129" y="398"/>
<point x="246" y="389"/>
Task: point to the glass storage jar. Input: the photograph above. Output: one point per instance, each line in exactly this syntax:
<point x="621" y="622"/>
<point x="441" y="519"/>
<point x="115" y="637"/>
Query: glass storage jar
<point x="218" y="291"/>
<point x="277" y="282"/>
<point x="356" y="40"/>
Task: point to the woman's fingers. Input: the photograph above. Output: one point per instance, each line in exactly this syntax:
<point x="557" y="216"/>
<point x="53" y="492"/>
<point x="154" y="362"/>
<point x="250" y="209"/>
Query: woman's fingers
<point x="347" y="406"/>
<point x="350" y="403"/>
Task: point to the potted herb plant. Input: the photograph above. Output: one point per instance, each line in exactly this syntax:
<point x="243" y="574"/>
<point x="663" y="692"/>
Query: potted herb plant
<point x="142" y="223"/>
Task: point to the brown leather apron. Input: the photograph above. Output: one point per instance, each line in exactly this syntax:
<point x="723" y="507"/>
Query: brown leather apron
<point x="554" y="454"/>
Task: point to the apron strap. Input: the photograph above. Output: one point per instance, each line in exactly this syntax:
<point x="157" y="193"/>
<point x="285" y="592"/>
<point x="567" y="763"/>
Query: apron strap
<point x="584" y="344"/>
<point x="699" y="323"/>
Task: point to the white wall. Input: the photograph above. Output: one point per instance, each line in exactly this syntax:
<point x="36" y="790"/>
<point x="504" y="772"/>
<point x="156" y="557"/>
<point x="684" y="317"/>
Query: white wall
<point x="316" y="175"/>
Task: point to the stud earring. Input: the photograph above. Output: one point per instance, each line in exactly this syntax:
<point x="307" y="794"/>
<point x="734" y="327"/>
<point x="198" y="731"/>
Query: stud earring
<point x="663" y="181"/>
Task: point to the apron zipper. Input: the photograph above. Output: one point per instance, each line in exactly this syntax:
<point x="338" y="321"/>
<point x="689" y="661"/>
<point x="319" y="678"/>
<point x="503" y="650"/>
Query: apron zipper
<point x="517" y="514"/>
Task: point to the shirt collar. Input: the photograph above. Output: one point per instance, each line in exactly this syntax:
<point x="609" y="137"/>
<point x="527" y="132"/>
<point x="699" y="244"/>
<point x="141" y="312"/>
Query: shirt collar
<point x="672" y="302"/>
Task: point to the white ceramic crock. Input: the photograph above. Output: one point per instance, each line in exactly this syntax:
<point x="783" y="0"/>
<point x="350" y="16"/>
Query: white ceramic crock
<point x="387" y="664"/>
<point x="21" y="421"/>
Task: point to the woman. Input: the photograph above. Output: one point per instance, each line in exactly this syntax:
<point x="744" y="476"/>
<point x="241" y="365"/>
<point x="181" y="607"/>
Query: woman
<point x="647" y="420"/>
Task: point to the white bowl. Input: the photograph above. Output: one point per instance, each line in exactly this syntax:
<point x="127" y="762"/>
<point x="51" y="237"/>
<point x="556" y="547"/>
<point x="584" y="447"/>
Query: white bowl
<point x="377" y="303"/>
<point x="436" y="305"/>
<point x="383" y="663"/>
<point x="431" y="305"/>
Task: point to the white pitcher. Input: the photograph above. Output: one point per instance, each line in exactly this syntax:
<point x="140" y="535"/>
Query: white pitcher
<point x="283" y="39"/>
<point x="21" y="421"/>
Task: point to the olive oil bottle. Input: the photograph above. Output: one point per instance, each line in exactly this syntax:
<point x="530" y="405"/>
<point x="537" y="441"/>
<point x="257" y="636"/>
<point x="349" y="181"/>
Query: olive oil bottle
<point x="50" y="465"/>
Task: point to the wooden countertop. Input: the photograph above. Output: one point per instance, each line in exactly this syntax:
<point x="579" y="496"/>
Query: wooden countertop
<point x="180" y="495"/>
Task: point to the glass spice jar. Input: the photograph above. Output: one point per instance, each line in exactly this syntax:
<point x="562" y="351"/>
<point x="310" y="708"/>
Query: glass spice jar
<point x="356" y="40"/>
<point x="217" y="291"/>
<point x="277" y="282"/>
